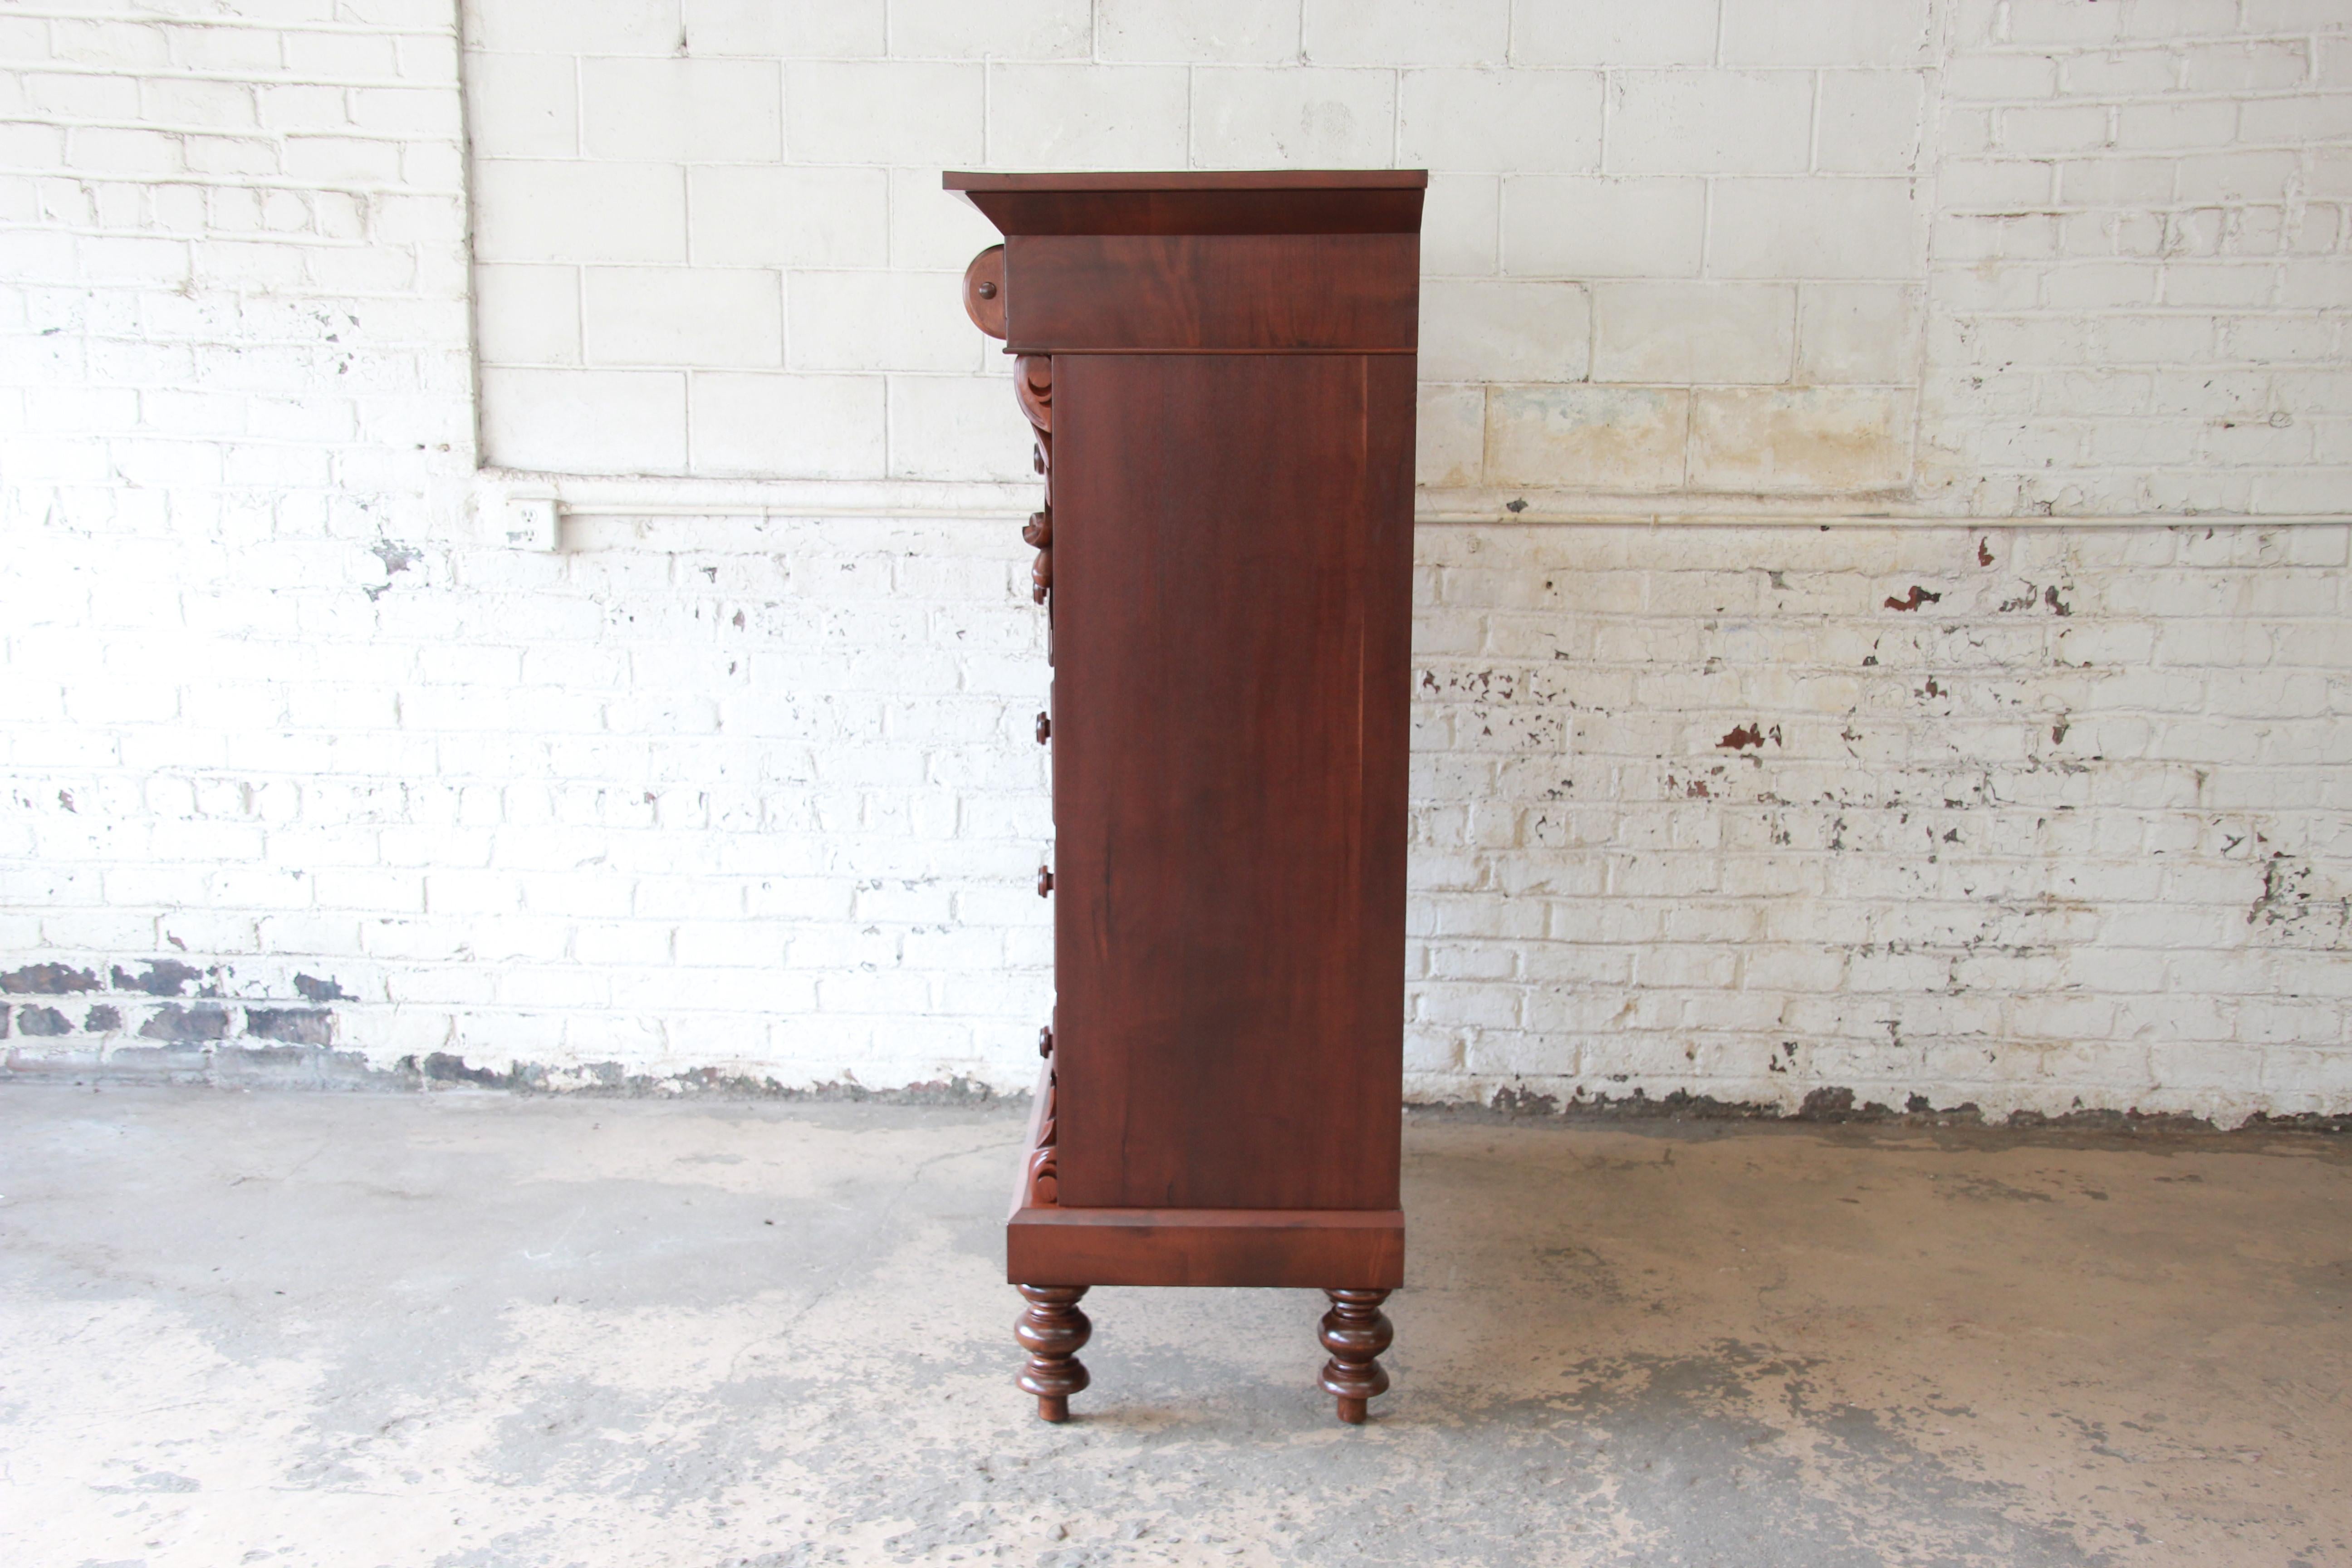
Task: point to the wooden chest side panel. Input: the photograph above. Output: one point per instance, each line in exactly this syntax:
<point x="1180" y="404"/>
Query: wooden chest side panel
<point x="1275" y="292"/>
<point x="1233" y="580"/>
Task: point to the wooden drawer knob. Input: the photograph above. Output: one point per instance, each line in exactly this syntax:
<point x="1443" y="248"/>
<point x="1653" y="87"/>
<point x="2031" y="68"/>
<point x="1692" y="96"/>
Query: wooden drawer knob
<point x="1045" y="729"/>
<point x="1038" y="531"/>
<point x="1045" y="1042"/>
<point x="1041" y="576"/>
<point x="1045" y="881"/>
<point x="983" y="290"/>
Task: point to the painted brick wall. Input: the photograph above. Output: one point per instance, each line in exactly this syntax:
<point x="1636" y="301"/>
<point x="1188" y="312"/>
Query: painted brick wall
<point x="307" y="780"/>
<point x="1980" y="257"/>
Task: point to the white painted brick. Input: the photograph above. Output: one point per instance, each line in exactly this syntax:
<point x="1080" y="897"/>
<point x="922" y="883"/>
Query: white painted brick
<point x="1226" y="32"/>
<point x="522" y="105"/>
<point x="1087" y="117"/>
<point x="539" y="211"/>
<point x="1565" y="227"/>
<point x="1015" y="29"/>
<point x="304" y="107"/>
<point x="1404" y="32"/>
<point x="2297" y="120"/>
<point x="932" y="228"/>
<point x="404" y="111"/>
<point x="1450" y="425"/>
<point x="883" y="112"/>
<point x="585" y="26"/>
<point x="1246" y="118"/>
<point x="1504" y="330"/>
<point x="1710" y="122"/>
<point x="213" y="104"/>
<point x="2111" y="182"/>
<point x="2174" y="127"/>
<point x="306" y="346"/>
<point x="879" y="320"/>
<point x="120" y="41"/>
<point x="120" y="152"/>
<point x="1825" y="33"/>
<point x="779" y="216"/>
<point x="1462" y="226"/>
<point x="584" y="421"/>
<point x="803" y="426"/>
<point x="351" y="57"/>
<point x="1866" y="332"/>
<point x="686" y="110"/>
<point x="1604" y="33"/>
<point x="1868" y="122"/>
<point x="1536" y="122"/>
<point x="956" y="427"/>
<point x="841" y="29"/>
<point x="1689" y="333"/>
<point x="682" y="316"/>
<point x="2002" y="76"/>
<point x="1814" y="229"/>
<point x="1804" y="439"/>
<point x="1587" y="437"/>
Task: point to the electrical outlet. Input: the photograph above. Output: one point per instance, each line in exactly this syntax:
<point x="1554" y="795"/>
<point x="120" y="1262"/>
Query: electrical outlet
<point x="529" y="522"/>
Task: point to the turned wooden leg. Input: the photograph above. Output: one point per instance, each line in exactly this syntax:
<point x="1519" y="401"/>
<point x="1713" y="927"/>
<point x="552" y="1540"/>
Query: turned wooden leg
<point x="1355" y="1330"/>
<point x="1052" y="1331"/>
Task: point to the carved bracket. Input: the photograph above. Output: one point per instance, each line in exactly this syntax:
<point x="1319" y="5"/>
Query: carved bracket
<point x="1043" y="1185"/>
<point x="1033" y="385"/>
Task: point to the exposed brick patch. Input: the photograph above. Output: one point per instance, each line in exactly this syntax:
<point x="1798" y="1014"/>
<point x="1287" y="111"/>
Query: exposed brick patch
<point x="186" y="1025"/>
<point x="290" y="1025"/>
<point x="162" y="977"/>
<point x="47" y="980"/>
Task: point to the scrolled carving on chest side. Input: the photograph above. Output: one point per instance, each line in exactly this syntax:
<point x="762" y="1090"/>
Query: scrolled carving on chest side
<point x="1033" y="387"/>
<point x="1043" y="1182"/>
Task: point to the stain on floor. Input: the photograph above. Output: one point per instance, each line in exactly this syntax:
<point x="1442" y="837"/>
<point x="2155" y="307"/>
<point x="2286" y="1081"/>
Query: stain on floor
<point x="470" y="1331"/>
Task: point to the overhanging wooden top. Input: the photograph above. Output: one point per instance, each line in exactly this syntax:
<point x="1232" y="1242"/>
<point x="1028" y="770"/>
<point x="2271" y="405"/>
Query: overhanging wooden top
<point x="1252" y="201"/>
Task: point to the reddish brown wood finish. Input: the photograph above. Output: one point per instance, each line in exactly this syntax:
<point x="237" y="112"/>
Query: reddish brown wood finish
<point x="1232" y="557"/>
<point x="1219" y="372"/>
<point x="1355" y="1330"/>
<point x="1252" y="293"/>
<point x="1053" y="1331"/>
<point x="983" y="291"/>
<point x="1299" y="1249"/>
<point x="1326" y="201"/>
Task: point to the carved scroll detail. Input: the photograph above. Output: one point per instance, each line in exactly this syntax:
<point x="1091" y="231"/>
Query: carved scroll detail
<point x="1045" y="1186"/>
<point x="1033" y="385"/>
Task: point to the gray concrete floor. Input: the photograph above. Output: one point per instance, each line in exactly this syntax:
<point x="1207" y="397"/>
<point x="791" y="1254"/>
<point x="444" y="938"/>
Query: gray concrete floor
<point x="466" y="1330"/>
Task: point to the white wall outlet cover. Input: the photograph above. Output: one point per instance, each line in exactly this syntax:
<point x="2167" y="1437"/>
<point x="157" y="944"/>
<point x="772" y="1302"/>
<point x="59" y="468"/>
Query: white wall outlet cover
<point x="528" y="522"/>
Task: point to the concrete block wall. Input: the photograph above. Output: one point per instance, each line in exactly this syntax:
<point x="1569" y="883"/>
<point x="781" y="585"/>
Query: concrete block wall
<point x="1977" y="258"/>
<point x="1803" y="786"/>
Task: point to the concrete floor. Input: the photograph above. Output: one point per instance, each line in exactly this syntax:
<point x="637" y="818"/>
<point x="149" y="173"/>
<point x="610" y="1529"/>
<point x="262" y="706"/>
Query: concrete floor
<point x="466" y="1330"/>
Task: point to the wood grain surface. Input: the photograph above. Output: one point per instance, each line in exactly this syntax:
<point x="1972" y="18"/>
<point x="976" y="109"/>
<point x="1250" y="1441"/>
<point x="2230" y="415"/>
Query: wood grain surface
<point x="1231" y="621"/>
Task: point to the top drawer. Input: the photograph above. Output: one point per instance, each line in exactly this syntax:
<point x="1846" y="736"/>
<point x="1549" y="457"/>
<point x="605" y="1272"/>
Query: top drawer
<point x="1270" y="293"/>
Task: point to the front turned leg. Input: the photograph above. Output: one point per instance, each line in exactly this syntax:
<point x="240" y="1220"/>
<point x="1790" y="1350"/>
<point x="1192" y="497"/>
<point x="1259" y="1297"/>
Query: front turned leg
<point x="1355" y="1330"/>
<point x="1052" y="1331"/>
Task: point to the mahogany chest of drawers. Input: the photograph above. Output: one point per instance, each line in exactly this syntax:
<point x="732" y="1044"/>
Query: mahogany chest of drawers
<point x="1218" y="370"/>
